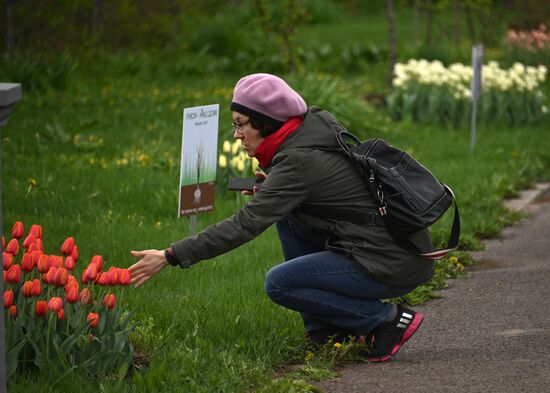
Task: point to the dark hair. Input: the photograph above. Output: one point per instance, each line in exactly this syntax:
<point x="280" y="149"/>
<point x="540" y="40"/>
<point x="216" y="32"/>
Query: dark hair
<point x="265" y="128"/>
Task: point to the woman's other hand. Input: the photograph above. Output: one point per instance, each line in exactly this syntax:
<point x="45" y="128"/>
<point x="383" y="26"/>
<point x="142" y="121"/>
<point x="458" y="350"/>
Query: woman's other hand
<point x="151" y="262"/>
<point x="259" y="175"/>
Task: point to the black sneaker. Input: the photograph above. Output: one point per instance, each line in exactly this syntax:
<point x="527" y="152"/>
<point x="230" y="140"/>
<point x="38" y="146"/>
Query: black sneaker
<point x="390" y="336"/>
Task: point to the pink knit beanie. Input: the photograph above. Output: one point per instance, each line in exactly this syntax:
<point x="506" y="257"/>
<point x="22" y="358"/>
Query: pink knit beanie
<point x="267" y="97"/>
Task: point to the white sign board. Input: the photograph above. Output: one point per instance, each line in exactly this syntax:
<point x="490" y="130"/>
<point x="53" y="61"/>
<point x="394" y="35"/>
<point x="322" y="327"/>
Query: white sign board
<point x="199" y="149"/>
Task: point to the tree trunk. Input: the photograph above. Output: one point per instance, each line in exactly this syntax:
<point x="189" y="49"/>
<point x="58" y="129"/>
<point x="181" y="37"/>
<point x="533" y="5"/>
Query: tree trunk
<point x="429" y="22"/>
<point x="456" y="23"/>
<point x="392" y="41"/>
<point x="470" y="24"/>
<point x="10" y="44"/>
<point x="96" y="18"/>
<point x="416" y="22"/>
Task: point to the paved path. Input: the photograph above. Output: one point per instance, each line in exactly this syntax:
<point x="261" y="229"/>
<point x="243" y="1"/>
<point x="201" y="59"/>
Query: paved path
<point x="490" y="332"/>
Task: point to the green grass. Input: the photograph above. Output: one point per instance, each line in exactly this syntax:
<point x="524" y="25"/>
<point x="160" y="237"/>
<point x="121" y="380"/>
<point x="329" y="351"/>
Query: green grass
<point x="211" y="327"/>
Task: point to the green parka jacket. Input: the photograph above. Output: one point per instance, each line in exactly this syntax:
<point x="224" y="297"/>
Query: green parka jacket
<point x="303" y="176"/>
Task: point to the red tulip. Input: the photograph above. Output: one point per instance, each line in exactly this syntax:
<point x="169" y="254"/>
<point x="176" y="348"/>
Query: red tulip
<point x="61" y="314"/>
<point x="8" y="299"/>
<point x="36" y="231"/>
<point x="85" y="296"/>
<point x="43" y="263"/>
<point x="109" y="301"/>
<point x="36" y="287"/>
<point x="75" y="253"/>
<point x="89" y="273"/>
<point x="7" y="260"/>
<point x="49" y="277"/>
<point x="98" y="260"/>
<point x="61" y="277"/>
<point x="57" y="261"/>
<point x="67" y="246"/>
<point x="26" y="289"/>
<point x="124" y="277"/>
<point x="14" y="274"/>
<point x="13" y="247"/>
<point x="18" y="230"/>
<point x="13" y="310"/>
<point x="40" y="308"/>
<point x="40" y="244"/>
<point x="69" y="263"/>
<point x="102" y="279"/>
<point x="26" y="262"/>
<point x="33" y="248"/>
<point x="72" y="295"/>
<point x="112" y="275"/>
<point x="55" y="304"/>
<point x="71" y="282"/>
<point x="93" y="318"/>
<point x="30" y="239"/>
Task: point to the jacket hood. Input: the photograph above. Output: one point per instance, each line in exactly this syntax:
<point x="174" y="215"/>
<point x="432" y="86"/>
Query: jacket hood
<point x="319" y="129"/>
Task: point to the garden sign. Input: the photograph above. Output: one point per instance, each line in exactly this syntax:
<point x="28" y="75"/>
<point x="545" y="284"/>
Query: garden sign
<point x="198" y="160"/>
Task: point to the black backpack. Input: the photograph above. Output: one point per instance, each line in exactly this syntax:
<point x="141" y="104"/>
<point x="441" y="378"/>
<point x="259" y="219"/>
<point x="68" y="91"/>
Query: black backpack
<point x="409" y="197"/>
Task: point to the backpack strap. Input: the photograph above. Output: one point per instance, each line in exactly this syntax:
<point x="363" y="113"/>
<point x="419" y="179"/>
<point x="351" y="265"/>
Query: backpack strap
<point x="453" y="238"/>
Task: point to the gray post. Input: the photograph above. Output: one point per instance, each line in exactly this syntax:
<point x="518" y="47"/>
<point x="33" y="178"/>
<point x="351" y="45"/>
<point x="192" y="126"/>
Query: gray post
<point x="10" y="93"/>
<point x="477" y="63"/>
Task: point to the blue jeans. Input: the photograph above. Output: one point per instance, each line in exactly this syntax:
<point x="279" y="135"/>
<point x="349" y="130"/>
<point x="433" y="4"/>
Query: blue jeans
<point x="329" y="290"/>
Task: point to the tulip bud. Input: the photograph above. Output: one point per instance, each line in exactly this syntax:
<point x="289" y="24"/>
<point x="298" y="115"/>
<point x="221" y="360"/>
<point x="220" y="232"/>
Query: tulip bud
<point x="26" y="289"/>
<point x="30" y="239"/>
<point x="43" y="263"/>
<point x="36" y="231"/>
<point x="69" y="263"/>
<point x="14" y="274"/>
<point x="49" y="277"/>
<point x="57" y="261"/>
<point x="8" y="299"/>
<point x="40" y="308"/>
<point x="26" y="262"/>
<point x="18" y="230"/>
<point x="67" y="246"/>
<point x="72" y="295"/>
<point x="85" y="296"/>
<point x="109" y="301"/>
<point x="61" y="314"/>
<point x="33" y="248"/>
<point x="36" y="287"/>
<point x="98" y="260"/>
<point x="13" y="247"/>
<point x="39" y="244"/>
<point x="102" y="279"/>
<point x="124" y="277"/>
<point x="7" y="260"/>
<point x="75" y="253"/>
<point x="61" y="277"/>
<point x="112" y="275"/>
<point x="93" y="318"/>
<point x="89" y="273"/>
<point x="13" y="310"/>
<point x="71" y="282"/>
<point x="55" y="304"/>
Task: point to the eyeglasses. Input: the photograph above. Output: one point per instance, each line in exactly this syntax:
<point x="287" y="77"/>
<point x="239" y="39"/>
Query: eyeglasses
<point x="239" y="127"/>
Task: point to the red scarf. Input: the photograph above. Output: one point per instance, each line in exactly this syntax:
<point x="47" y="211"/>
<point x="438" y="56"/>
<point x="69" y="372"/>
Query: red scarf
<point x="271" y="143"/>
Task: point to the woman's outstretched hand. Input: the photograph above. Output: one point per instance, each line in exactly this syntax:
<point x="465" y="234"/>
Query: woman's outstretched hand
<point x="151" y="262"/>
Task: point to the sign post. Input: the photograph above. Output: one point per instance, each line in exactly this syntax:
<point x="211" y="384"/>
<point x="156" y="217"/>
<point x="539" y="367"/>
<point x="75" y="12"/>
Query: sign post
<point x="10" y="93"/>
<point x="199" y="149"/>
<point x="477" y="66"/>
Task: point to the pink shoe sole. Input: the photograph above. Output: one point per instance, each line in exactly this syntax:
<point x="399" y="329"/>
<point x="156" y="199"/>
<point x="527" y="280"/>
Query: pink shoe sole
<point x="413" y="327"/>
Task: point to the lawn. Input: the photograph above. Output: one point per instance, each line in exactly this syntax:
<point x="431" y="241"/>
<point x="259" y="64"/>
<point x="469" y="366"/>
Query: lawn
<point x="99" y="160"/>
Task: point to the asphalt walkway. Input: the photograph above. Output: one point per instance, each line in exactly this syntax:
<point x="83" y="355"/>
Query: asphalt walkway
<point x="490" y="332"/>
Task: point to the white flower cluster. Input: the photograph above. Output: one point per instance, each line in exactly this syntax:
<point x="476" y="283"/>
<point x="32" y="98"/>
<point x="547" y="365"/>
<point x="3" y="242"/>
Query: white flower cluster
<point x="458" y="76"/>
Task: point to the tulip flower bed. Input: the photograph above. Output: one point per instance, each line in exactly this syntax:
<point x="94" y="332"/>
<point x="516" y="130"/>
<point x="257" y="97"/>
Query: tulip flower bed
<point x="54" y="320"/>
<point x="429" y="92"/>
